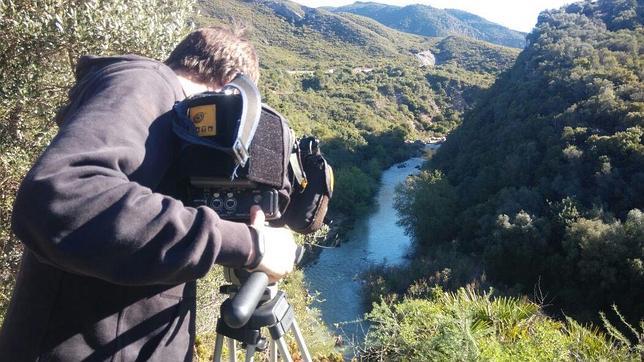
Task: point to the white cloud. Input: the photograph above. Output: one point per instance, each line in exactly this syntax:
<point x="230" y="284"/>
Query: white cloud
<point x="514" y="14"/>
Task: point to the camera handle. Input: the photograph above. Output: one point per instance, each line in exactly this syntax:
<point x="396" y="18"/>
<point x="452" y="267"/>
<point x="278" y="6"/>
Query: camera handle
<point x="253" y="304"/>
<point x="236" y="311"/>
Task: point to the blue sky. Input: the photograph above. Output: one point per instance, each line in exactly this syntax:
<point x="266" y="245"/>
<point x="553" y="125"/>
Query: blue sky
<point x="515" y="14"/>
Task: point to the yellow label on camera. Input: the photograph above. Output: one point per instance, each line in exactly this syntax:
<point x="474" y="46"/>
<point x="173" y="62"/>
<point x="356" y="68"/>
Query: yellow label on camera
<point x="205" y="119"/>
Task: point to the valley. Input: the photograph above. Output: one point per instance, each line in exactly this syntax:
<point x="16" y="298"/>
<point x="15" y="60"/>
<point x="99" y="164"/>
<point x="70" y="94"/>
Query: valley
<point x="519" y="238"/>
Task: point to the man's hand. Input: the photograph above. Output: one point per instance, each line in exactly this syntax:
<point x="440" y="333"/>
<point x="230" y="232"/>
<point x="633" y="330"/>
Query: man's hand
<point x="280" y="253"/>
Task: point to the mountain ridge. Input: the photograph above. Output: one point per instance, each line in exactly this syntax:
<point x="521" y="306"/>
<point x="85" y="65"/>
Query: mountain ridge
<point x="302" y="28"/>
<point x="426" y="20"/>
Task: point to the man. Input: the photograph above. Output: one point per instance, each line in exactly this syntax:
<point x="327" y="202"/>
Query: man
<point x="110" y="263"/>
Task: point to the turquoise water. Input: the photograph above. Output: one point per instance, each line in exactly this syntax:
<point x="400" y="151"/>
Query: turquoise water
<point x="375" y="239"/>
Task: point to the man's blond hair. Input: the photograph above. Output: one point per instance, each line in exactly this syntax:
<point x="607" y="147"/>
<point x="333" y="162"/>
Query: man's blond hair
<point x="215" y="55"/>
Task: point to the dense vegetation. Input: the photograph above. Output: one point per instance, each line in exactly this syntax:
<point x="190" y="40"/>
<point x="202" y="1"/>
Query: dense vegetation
<point x="468" y="326"/>
<point x="540" y="191"/>
<point x="430" y="21"/>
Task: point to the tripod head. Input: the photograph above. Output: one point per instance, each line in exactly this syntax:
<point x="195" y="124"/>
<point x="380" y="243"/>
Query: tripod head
<point x="248" y="289"/>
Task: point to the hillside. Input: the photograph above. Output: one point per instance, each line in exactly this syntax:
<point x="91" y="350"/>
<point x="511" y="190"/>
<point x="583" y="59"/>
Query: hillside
<point x="358" y="85"/>
<point x="429" y="21"/>
<point x="542" y="186"/>
<point x="289" y="34"/>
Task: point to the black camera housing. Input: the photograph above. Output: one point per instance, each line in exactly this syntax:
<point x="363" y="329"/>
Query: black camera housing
<point x="235" y="152"/>
<point x="232" y="200"/>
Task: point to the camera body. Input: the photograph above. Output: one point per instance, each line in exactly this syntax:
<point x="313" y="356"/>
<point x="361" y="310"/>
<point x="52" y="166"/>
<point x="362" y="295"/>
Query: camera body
<point x="236" y="153"/>
<point x="232" y="200"/>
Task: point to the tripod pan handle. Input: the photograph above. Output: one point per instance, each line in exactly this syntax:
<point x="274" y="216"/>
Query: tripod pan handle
<point x="237" y="311"/>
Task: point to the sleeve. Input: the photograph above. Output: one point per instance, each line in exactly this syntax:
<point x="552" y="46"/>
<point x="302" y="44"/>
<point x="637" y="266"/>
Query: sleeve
<point x="78" y="210"/>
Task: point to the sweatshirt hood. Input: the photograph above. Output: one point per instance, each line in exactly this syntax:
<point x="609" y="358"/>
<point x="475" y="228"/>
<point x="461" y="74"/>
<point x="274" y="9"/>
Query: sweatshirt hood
<point x="89" y="64"/>
<point x="88" y="68"/>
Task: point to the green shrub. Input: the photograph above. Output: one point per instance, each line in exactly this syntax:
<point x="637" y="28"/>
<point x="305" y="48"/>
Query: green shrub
<point x="470" y="326"/>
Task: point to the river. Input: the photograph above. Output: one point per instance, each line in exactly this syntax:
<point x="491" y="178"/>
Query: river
<point x="376" y="238"/>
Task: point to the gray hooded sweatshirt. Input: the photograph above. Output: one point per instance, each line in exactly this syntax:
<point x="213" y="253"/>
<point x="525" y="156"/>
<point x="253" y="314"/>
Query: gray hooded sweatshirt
<point x="110" y="263"/>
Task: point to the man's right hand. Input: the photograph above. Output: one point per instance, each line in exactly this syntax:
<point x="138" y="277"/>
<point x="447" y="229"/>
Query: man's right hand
<point x="280" y="248"/>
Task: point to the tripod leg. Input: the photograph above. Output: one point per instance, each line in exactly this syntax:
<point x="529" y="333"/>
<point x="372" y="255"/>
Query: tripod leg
<point x="300" y="342"/>
<point x="232" y="350"/>
<point x="219" y="347"/>
<point x="273" y="352"/>
<point x="250" y="352"/>
<point x="286" y="356"/>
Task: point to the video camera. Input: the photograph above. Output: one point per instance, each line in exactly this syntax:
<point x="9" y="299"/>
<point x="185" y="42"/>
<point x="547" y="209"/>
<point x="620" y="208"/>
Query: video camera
<point x="237" y="152"/>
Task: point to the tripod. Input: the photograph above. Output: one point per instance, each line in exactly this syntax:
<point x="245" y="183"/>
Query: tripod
<point x="252" y="305"/>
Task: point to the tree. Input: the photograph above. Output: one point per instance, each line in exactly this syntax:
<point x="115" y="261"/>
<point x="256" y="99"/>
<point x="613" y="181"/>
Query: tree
<point x="427" y="207"/>
<point x="40" y="43"/>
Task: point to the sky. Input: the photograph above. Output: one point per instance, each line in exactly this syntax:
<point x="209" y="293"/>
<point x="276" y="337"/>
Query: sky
<point x="515" y="14"/>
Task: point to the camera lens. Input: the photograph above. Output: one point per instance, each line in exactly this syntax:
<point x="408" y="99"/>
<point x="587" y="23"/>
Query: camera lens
<point x="230" y="204"/>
